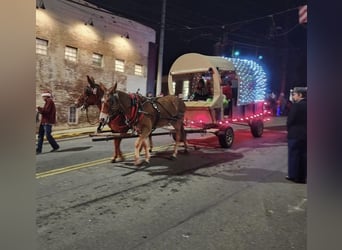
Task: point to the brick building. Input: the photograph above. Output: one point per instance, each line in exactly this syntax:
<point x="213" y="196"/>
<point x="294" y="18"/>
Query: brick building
<point x="75" y="39"/>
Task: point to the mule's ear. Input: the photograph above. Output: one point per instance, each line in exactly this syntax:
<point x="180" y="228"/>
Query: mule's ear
<point x="111" y="90"/>
<point x="91" y="81"/>
<point x="103" y="87"/>
<point x="115" y="86"/>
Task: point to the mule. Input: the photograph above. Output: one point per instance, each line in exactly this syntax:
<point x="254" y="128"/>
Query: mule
<point x="92" y="95"/>
<point x="144" y="115"/>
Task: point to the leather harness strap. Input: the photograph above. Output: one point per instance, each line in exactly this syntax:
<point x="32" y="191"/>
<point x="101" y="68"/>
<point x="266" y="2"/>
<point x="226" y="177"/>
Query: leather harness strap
<point x="135" y="115"/>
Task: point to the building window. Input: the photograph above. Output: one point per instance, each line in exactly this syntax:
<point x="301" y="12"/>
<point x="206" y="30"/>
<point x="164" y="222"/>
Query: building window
<point x="119" y="65"/>
<point x="72" y="115"/>
<point x="41" y="46"/>
<point x="70" y="53"/>
<point x="138" y="70"/>
<point x="97" y="59"/>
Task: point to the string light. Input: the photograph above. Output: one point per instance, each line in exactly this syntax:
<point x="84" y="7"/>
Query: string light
<point x="253" y="81"/>
<point x="252" y="89"/>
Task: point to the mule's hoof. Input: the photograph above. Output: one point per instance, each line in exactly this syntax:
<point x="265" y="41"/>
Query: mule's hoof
<point x="137" y="163"/>
<point x="172" y="157"/>
<point x="120" y="159"/>
<point x="150" y="150"/>
<point x="113" y="161"/>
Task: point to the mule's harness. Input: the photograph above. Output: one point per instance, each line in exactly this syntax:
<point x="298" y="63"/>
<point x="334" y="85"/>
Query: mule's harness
<point x="133" y="117"/>
<point x="137" y="113"/>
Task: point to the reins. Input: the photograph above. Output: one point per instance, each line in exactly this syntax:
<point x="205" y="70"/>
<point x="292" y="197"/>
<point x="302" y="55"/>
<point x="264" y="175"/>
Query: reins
<point x="86" y="109"/>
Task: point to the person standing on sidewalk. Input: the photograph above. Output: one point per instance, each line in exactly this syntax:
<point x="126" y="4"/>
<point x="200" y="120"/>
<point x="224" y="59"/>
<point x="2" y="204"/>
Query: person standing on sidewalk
<point x="48" y="118"/>
<point x="297" y="136"/>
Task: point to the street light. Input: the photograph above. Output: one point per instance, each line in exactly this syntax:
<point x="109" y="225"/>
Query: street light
<point x="236" y="53"/>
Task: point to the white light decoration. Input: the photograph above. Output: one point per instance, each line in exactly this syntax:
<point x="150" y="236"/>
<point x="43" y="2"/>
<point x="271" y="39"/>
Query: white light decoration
<point x="253" y="81"/>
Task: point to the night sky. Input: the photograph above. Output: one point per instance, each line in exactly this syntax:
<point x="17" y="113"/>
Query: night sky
<point x="264" y="27"/>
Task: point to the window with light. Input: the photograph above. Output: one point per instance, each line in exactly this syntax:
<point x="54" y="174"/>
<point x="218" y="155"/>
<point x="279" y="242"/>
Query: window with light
<point x="70" y="53"/>
<point x="72" y="115"/>
<point x="97" y="59"/>
<point x="186" y="89"/>
<point x="41" y="46"/>
<point x="138" y="70"/>
<point x="119" y="65"/>
<point x="174" y="87"/>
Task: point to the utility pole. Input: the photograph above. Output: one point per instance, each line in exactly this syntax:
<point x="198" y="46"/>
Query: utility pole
<point x="161" y="50"/>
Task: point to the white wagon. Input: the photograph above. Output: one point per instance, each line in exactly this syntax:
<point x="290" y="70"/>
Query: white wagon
<point x="248" y="83"/>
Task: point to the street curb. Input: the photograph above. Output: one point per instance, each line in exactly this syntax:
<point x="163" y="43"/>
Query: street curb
<point x="71" y="134"/>
<point x="68" y="135"/>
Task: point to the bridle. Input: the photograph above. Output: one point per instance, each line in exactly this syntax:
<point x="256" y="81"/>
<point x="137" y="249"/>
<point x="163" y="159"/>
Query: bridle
<point x="117" y="109"/>
<point x="87" y="92"/>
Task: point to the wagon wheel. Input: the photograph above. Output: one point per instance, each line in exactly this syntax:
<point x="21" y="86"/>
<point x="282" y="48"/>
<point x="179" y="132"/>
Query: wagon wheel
<point x="226" y="137"/>
<point x="257" y="128"/>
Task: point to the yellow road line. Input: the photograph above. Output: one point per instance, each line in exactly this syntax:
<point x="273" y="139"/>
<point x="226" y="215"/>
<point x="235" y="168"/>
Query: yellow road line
<point x="86" y="164"/>
<point x="71" y="168"/>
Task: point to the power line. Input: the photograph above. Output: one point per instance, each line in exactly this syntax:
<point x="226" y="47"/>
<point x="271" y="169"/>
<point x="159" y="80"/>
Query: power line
<point x="247" y="21"/>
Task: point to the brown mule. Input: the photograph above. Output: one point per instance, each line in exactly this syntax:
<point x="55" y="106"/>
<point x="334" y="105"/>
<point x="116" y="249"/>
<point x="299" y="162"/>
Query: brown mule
<point x="93" y="95"/>
<point x="144" y="115"/>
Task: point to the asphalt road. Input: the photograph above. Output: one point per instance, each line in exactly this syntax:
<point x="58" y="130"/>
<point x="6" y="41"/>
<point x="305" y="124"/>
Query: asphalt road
<point x="209" y="198"/>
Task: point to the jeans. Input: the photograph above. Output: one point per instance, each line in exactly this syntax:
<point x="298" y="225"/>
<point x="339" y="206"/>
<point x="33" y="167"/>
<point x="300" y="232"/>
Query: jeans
<point x="45" y="129"/>
<point x="297" y="159"/>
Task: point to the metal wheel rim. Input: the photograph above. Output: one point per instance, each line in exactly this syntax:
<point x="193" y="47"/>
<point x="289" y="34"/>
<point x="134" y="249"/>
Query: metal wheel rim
<point x="229" y="136"/>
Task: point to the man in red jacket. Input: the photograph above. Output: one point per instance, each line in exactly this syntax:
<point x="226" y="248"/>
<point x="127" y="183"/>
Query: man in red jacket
<point x="48" y="118"/>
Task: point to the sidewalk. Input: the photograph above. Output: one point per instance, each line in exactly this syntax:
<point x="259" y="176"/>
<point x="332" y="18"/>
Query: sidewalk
<point x="72" y="132"/>
<point x="76" y="132"/>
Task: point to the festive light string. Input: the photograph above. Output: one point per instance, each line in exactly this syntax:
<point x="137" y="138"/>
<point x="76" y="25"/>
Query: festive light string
<point x="253" y="81"/>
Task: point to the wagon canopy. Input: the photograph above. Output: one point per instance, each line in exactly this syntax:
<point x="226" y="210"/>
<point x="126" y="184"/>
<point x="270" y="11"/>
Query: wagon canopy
<point x="192" y="63"/>
<point x="247" y="77"/>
